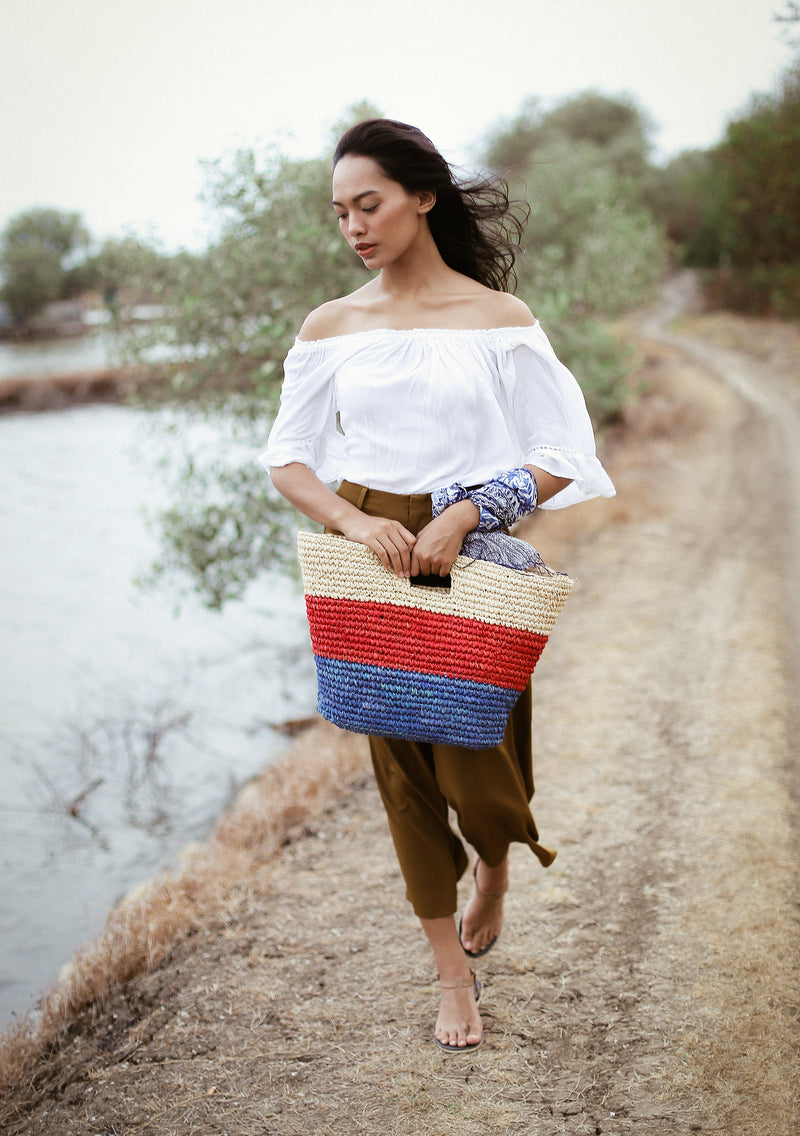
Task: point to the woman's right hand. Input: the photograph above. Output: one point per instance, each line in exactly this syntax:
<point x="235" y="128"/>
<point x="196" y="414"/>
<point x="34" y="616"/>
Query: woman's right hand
<point x="390" y="540"/>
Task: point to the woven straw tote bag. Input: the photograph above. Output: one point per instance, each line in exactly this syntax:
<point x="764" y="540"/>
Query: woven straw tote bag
<point x="426" y="663"/>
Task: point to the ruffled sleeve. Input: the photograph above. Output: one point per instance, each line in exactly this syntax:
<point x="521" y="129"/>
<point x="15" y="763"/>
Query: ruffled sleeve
<point x="305" y="427"/>
<point x="548" y="413"/>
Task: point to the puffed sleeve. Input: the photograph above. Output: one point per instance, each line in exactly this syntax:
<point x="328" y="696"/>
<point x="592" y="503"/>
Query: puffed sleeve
<point x="305" y="427"/>
<point x="549" y="415"/>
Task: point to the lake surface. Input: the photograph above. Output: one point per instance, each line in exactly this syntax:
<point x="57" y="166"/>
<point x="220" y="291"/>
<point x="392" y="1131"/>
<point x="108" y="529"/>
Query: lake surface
<point x="90" y="352"/>
<point x="151" y="716"/>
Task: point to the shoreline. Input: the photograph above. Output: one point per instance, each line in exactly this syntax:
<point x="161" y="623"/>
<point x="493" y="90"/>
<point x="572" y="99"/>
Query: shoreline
<point x="319" y="766"/>
<point x="31" y="394"/>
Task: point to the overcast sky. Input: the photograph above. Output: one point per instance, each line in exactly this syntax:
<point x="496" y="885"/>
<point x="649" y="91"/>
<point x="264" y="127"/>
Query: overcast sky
<point x="108" y="106"/>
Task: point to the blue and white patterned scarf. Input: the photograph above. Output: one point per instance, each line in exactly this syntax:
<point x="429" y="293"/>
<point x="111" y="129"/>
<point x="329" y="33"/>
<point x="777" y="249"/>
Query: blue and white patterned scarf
<point x="502" y="502"/>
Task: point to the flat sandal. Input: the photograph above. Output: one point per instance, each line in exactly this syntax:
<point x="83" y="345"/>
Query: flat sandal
<point x="477" y="988"/>
<point x="491" y="899"/>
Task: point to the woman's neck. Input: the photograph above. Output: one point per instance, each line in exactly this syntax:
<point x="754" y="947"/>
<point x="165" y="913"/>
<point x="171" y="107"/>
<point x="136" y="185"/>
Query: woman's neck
<point x="420" y="271"/>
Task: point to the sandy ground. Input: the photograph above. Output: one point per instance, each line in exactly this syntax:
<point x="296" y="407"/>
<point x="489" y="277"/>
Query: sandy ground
<point x="648" y="981"/>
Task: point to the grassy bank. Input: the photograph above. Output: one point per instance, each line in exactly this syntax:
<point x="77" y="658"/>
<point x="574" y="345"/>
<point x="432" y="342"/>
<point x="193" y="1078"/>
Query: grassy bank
<point x="75" y="388"/>
<point x="144" y="927"/>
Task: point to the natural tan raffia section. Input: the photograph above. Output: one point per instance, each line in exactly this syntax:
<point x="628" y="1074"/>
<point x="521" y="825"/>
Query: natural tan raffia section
<point x="142" y="929"/>
<point x="341" y="569"/>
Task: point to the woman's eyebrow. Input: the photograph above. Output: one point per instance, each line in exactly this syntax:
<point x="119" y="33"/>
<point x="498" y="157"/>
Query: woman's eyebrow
<point x="357" y="197"/>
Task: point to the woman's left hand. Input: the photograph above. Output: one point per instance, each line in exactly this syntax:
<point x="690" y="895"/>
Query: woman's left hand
<point x="439" y="543"/>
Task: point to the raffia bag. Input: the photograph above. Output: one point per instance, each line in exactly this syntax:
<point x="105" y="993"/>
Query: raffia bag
<point x="426" y="663"/>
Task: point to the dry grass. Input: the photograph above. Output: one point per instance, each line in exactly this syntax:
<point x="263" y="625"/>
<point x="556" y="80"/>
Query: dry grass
<point x="147" y="924"/>
<point x="774" y="342"/>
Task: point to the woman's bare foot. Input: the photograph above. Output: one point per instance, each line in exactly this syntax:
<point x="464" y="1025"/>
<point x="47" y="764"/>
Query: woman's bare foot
<point x="459" y="1023"/>
<point x="483" y="917"/>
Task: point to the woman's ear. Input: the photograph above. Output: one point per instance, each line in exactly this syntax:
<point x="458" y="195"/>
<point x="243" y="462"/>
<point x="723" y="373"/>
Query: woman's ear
<point x="427" y="200"/>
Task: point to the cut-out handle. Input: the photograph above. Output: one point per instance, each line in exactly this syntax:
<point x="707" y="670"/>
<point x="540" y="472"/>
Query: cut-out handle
<point x="431" y="581"/>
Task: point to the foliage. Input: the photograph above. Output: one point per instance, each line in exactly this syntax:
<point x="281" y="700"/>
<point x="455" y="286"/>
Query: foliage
<point x="229" y="320"/>
<point x="230" y="316"/>
<point x="757" y="160"/>
<point x="586" y="237"/>
<point x="615" y="126"/>
<point x="37" y="250"/>
<point x="736" y="209"/>
<point x="685" y="195"/>
<point x="128" y="270"/>
<point x="789" y="17"/>
<point x="591" y="250"/>
<point x="226" y="526"/>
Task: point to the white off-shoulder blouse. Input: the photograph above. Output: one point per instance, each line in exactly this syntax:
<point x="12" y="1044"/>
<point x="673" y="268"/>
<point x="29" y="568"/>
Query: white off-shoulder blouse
<point x="414" y="411"/>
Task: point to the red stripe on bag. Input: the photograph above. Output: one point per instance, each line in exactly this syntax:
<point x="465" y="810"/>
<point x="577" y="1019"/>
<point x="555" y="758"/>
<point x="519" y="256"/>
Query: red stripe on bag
<point x="425" y="642"/>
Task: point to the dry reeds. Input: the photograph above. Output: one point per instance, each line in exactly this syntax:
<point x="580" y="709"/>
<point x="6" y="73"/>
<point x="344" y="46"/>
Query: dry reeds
<point x="147" y="923"/>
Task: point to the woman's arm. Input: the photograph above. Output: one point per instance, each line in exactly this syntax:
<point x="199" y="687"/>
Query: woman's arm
<point x="439" y="543"/>
<point x="389" y="539"/>
<point x="431" y="553"/>
<point x="547" y="484"/>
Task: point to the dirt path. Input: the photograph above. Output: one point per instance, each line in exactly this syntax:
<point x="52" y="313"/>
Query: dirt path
<point x="648" y="982"/>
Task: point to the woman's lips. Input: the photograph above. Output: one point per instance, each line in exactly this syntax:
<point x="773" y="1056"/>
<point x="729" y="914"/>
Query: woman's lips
<point x="365" y="250"/>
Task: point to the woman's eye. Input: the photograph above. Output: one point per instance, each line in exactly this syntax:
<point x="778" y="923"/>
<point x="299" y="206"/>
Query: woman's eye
<point x="370" y="208"/>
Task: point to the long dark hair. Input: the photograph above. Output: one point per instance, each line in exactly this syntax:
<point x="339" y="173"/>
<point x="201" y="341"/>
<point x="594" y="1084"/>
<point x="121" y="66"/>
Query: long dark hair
<point x="477" y="228"/>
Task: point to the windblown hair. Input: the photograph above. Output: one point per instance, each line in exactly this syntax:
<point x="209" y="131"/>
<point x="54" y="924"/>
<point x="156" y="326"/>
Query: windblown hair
<point x="476" y="226"/>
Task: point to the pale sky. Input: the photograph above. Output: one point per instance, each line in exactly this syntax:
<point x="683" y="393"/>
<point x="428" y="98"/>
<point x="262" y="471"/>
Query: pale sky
<point x="108" y="106"/>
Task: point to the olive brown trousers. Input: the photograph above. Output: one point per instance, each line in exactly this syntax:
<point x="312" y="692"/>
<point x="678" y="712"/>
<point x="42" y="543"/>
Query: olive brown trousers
<point x="489" y="790"/>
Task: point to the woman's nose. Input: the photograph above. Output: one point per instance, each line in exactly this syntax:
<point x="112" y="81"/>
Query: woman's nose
<point x="356" y="224"/>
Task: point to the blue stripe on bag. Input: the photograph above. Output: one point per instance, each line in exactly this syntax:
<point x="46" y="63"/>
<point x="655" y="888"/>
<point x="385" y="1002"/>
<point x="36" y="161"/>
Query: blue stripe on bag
<point x="419" y="707"/>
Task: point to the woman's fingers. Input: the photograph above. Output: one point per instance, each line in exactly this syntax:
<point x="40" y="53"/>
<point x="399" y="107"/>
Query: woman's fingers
<point x="438" y="544"/>
<point x="390" y="540"/>
<point x="430" y="566"/>
<point x="395" y="554"/>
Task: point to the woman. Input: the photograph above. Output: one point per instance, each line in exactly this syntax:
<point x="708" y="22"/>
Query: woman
<point x="432" y="375"/>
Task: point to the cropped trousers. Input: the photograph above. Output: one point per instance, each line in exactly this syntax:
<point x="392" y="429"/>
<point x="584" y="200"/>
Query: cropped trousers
<point x="489" y="790"/>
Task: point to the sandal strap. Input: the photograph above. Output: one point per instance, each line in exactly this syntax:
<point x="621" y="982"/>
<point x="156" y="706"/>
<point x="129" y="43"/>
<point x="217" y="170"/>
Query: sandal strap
<point x="458" y="983"/>
<point x="484" y="894"/>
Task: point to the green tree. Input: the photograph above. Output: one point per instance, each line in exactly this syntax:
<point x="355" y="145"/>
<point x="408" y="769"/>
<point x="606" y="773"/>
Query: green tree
<point x="232" y="314"/>
<point x="37" y="250"/>
<point x="616" y="126"/>
<point x="758" y="163"/>
<point x="790" y="18"/>
<point x="129" y="267"/>
<point x="592" y="248"/>
<point x="739" y="206"/>
<point x="686" y="195"/>
<point x="229" y="319"/>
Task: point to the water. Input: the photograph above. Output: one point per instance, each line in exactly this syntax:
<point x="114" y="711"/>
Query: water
<point x="151" y="717"/>
<point x="90" y="352"/>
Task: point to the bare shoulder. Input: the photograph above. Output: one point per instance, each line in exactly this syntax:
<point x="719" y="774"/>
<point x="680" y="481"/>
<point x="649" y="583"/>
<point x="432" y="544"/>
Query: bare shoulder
<point x="504" y="310"/>
<point x="337" y="317"/>
<point x="324" y="322"/>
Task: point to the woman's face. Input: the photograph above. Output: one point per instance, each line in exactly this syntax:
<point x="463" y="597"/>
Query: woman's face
<point x="377" y="216"/>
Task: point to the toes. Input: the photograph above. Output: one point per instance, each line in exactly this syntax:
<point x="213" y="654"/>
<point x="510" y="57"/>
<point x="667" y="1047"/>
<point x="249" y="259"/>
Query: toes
<point x="447" y="1037"/>
<point x="459" y="1036"/>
